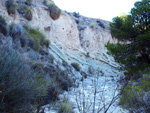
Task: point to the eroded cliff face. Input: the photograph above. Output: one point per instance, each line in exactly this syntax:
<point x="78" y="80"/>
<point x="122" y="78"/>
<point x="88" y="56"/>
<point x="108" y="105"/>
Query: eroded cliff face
<point x="94" y="34"/>
<point x="68" y="31"/>
<point x="72" y="36"/>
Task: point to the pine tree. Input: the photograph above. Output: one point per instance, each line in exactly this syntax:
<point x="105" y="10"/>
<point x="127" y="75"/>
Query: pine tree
<point x="133" y="56"/>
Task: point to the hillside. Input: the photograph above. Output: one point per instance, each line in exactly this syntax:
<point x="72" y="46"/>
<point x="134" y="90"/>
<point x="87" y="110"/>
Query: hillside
<point x="55" y="60"/>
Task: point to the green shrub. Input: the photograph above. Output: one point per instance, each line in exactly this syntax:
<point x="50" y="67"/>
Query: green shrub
<point x="76" y="66"/>
<point x="88" y="54"/>
<point x="55" y="12"/>
<point x="20" y="87"/>
<point x="39" y="38"/>
<point x="11" y="26"/>
<point x="28" y="14"/>
<point x="65" y="106"/>
<point x="3" y="26"/>
<point x="47" y="43"/>
<point x="11" y="6"/>
<point x="133" y="95"/>
<point x="92" y="25"/>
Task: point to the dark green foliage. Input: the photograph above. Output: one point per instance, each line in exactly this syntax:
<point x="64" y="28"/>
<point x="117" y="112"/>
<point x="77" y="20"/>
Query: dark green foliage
<point x="54" y="11"/>
<point x="3" y="26"/>
<point x="133" y="28"/>
<point x="131" y="63"/>
<point x="122" y="28"/>
<point x="141" y="16"/>
<point x="39" y="38"/>
<point x="88" y="54"/>
<point x="20" y="87"/>
<point x="28" y="14"/>
<point x="47" y="43"/>
<point x="145" y="36"/>
<point x="11" y="26"/>
<point x="136" y="97"/>
<point x="11" y="6"/>
<point x="76" y="66"/>
<point x="134" y="56"/>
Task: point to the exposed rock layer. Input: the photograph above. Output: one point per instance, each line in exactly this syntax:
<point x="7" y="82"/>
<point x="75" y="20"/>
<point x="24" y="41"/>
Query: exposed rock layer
<point x="69" y="31"/>
<point x="72" y="37"/>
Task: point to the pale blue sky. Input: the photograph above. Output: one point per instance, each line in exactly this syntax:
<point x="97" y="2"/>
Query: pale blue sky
<point x="103" y="9"/>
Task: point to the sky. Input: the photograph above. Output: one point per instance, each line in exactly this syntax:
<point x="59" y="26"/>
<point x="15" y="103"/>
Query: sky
<point x="103" y="9"/>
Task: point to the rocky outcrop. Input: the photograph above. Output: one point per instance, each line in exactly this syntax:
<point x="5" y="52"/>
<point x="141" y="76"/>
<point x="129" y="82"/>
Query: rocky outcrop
<point x="69" y="30"/>
<point x="94" y="33"/>
<point x="74" y="39"/>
